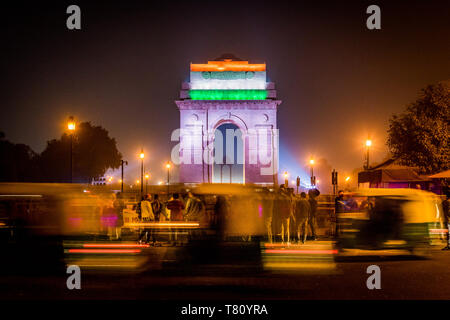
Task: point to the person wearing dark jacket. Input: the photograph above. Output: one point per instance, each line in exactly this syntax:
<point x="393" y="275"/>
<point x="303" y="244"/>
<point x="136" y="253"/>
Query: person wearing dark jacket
<point x="176" y="207"/>
<point x="284" y="211"/>
<point x="313" y="194"/>
<point x="301" y="214"/>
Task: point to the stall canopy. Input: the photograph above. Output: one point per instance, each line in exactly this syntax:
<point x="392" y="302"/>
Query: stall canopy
<point x="389" y="174"/>
<point x="441" y="175"/>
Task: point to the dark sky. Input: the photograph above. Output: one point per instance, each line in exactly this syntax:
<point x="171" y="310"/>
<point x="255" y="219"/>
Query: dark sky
<point x="338" y="80"/>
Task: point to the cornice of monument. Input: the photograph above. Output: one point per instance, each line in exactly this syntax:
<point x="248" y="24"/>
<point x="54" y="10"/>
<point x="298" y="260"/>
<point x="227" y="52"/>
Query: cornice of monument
<point x="227" y="104"/>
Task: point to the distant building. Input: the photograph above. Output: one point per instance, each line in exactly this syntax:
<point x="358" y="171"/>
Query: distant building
<point x="100" y="181"/>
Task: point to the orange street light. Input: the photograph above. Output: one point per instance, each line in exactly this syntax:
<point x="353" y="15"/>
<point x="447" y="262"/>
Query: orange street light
<point x="168" y="176"/>
<point x="147" y="176"/>
<point x="71" y="126"/>
<point x="368" y="145"/>
<point x="142" y="155"/>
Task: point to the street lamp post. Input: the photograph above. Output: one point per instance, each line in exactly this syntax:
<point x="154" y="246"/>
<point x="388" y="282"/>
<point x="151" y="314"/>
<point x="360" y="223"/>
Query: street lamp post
<point x="311" y="163"/>
<point x="168" y="176"/>
<point x="142" y="155"/>
<point x="122" y="162"/>
<point x="368" y="145"/>
<point x="71" y="126"/>
<point x="147" y="176"/>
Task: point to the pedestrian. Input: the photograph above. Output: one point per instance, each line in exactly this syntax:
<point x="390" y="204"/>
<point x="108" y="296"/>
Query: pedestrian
<point x="302" y="213"/>
<point x="339" y="207"/>
<point x="267" y="212"/>
<point x="195" y="208"/>
<point x="147" y="216"/>
<point x="109" y="216"/>
<point x="221" y="214"/>
<point x="176" y="207"/>
<point x="157" y="208"/>
<point x="119" y="205"/>
<point x="284" y="209"/>
<point x="313" y="194"/>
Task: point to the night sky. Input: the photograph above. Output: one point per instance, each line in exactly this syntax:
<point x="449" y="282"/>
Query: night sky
<point x="338" y="80"/>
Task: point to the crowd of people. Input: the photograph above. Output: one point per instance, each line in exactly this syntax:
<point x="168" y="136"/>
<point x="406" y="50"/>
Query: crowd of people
<point x="281" y="215"/>
<point x="278" y="215"/>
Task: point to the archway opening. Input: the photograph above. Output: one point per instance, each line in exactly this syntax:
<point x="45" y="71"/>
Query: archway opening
<point x="228" y="165"/>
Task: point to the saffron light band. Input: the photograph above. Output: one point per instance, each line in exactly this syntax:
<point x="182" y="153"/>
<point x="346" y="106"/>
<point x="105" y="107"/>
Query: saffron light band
<point x="228" y="65"/>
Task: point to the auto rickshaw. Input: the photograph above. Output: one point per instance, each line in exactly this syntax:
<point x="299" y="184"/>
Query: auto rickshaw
<point x="380" y="219"/>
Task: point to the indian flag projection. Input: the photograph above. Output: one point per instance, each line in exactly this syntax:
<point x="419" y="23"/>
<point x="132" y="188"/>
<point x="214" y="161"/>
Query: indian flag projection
<point x="228" y="80"/>
<point x="228" y="128"/>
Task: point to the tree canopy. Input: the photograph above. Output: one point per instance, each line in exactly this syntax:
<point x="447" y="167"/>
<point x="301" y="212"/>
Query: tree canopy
<point x="94" y="152"/>
<point x="419" y="137"/>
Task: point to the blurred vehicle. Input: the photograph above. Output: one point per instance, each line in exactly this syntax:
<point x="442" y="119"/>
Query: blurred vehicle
<point x="45" y="226"/>
<point x="379" y="219"/>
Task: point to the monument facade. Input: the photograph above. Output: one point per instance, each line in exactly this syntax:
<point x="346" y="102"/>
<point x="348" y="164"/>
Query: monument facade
<point x="228" y="124"/>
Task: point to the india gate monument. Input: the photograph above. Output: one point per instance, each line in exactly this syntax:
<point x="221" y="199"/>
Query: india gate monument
<point x="228" y="124"/>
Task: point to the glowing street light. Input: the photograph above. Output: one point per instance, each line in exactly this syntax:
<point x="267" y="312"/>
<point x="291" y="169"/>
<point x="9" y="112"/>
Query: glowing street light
<point x="168" y="165"/>
<point x="347" y="179"/>
<point x="160" y="183"/>
<point x="142" y="156"/>
<point x="147" y="176"/>
<point x="368" y="145"/>
<point x="311" y="164"/>
<point x="286" y="181"/>
<point x="71" y="126"/>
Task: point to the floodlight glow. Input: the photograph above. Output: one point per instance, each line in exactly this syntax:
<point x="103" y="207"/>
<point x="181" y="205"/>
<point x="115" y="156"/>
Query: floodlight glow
<point x="368" y="143"/>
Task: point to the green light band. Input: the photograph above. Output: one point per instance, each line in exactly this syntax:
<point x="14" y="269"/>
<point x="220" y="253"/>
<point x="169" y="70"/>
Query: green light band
<point x="228" y="94"/>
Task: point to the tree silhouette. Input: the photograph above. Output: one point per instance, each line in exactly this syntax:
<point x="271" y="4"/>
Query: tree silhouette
<point x="419" y="137"/>
<point x="93" y="153"/>
<point x="17" y="162"/>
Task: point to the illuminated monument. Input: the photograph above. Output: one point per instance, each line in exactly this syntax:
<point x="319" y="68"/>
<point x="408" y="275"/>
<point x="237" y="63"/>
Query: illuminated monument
<point x="228" y="124"/>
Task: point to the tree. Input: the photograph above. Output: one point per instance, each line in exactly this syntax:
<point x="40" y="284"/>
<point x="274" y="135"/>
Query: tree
<point x="17" y="162"/>
<point x="419" y="137"/>
<point x="94" y="152"/>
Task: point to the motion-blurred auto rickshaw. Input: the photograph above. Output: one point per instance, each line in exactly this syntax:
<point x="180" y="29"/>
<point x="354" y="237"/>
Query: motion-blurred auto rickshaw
<point x="380" y="219"/>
